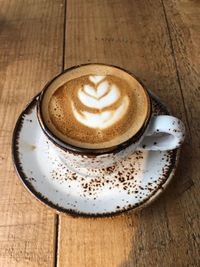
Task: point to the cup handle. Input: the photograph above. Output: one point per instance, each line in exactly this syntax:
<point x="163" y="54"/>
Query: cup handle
<point x="164" y="133"/>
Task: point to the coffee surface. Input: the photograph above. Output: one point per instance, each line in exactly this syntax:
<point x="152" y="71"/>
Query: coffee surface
<point x="96" y="111"/>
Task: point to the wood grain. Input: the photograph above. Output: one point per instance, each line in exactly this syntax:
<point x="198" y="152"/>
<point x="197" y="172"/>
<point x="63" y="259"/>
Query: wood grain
<point x="133" y="35"/>
<point x="183" y="18"/>
<point x="31" y="42"/>
<point x="159" y="42"/>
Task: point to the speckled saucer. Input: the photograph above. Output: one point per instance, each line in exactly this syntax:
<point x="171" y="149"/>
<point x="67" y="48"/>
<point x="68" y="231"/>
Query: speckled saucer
<point x="131" y="184"/>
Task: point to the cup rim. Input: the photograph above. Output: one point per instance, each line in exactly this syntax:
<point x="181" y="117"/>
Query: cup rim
<point x="91" y="151"/>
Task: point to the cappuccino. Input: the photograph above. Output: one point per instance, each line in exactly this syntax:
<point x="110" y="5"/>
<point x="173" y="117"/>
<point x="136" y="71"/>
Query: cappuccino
<point x="95" y="106"/>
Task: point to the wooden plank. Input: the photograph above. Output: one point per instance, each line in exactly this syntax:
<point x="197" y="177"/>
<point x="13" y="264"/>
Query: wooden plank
<point x="31" y="37"/>
<point x="133" y="35"/>
<point x="183" y="18"/>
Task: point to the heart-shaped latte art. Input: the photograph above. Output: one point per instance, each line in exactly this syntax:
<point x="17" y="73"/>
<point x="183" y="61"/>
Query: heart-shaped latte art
<point x="100" y="96"/>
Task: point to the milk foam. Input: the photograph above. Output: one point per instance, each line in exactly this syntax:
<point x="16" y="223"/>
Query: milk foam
<point x="96" y="78"/>
<point x="99" y="98"/>
<point x="100" y="95"/>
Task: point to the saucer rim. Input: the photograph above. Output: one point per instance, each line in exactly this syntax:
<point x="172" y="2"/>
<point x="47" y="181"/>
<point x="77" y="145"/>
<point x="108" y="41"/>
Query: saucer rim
<point x="74" y="213"/>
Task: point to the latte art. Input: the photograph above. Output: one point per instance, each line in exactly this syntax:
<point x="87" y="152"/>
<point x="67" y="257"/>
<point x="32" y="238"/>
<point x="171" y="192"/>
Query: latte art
<point x="95" y="106"/>
<point x="100" y="96"/>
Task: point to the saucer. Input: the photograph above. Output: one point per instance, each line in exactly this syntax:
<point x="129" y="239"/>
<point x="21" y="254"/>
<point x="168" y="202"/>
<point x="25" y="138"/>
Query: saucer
<point x="130" y="184"/>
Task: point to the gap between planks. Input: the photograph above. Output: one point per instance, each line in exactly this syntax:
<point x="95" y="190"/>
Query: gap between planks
<point x="57" y="224"/>
<point x="176" y="67"/>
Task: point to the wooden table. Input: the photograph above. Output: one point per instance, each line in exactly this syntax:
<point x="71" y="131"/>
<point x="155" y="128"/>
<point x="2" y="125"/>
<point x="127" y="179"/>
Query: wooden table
<point x="159" y="41"/>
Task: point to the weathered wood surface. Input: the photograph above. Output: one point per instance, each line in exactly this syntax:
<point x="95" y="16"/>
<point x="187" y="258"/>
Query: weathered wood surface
<point x="159" y="42"/>
<point x="31" y="41"/>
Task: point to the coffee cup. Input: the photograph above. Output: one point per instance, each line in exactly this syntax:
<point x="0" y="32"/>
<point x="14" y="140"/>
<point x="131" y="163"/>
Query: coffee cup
<point x="96" y="115"/>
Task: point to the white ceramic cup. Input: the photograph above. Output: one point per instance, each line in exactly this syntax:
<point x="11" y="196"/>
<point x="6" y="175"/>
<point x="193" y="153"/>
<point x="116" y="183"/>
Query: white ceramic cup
<point x="161" y="132"/>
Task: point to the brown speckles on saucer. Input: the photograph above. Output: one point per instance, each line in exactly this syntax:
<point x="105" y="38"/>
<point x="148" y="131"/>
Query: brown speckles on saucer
<point x="123" y="176"/>
<point x="33" y="147"/>
<point x="110" y="178"/>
